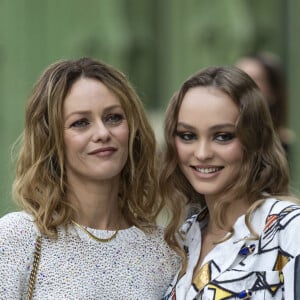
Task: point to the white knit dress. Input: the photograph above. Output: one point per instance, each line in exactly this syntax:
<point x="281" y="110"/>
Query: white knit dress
<point x="134" y="265"/>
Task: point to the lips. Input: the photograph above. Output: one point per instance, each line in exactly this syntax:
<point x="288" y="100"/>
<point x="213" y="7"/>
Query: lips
<point x="103" y="150"/>
<point x="207" y="170"/>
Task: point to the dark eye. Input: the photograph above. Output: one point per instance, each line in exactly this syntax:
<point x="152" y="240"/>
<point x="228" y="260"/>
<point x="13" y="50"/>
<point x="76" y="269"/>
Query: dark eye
<point x="80" y="123"/>
<point x="224" y="137"/>
<point x="186" y="136"/>
<point x="114" y="118"/>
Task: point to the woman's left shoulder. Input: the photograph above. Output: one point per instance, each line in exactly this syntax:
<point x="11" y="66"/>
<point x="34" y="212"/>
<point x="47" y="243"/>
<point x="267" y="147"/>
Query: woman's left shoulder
<point x="155" y="233"/>
<point x="283" y="216"/>
<point x="283" y="206"/>
<point x="154" y="241"/>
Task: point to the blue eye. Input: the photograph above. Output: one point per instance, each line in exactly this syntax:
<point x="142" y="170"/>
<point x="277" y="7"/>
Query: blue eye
<point x="114" y="118"/>
<point x="80" y="123"/>
<point x="224" y="137"/>
<point x="186" y="136"/>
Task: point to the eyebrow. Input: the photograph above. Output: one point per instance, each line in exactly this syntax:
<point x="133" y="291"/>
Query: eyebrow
<point x="86" y="112"/>
<point x="215" y="127"/>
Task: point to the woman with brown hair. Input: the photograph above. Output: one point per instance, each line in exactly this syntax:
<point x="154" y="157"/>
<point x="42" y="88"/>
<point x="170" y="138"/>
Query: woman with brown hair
<point x="223" y="156"/>
<point x="86" y="184"/>
<point x="266" y="70"/>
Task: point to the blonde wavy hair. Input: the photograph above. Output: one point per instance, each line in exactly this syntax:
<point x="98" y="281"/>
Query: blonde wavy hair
<point x="40" y="184"/>
<point x="264" y="170"/>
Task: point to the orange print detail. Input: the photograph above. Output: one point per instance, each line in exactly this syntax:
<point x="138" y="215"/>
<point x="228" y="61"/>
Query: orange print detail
<point x="270" y="221"/>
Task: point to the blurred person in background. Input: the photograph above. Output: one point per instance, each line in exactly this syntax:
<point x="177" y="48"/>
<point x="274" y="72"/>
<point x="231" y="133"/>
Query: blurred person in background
<point x="266" y="70"/>
<point x="222" y="155"/>
<point x="87" y="187"/>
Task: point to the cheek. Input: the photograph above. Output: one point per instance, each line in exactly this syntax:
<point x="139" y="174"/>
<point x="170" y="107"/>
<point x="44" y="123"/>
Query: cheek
<point x="180" y="150"/>
<point x="73" y="142"/>
<point x="67" y="143"/>
<point x="123" y="135"/>
<point x="234" y="153"/>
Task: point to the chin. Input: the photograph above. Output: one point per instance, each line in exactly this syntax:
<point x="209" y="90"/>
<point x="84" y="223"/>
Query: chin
<point x="207" y="191"/>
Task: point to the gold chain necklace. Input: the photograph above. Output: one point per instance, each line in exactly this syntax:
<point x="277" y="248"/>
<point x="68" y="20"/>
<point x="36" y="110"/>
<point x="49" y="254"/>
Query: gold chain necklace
<point x="93" y="236"/>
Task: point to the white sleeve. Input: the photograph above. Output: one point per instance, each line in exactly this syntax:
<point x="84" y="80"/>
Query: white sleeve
<point x="289" y="247"/>
<point x="17" y="244"/>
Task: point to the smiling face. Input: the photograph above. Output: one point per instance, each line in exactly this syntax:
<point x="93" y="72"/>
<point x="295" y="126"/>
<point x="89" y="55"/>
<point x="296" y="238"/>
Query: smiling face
<point x="210" y="155"/>
<point x="95" y="132"/>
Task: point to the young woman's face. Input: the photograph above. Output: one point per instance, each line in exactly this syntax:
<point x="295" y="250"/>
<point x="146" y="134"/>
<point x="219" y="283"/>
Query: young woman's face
<point x="95" y="132"/>
<point x="210" y="155"/>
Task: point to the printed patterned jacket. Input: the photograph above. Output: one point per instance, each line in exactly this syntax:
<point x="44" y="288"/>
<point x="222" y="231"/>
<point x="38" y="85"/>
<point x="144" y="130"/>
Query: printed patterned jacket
<point x="239" y="268"/>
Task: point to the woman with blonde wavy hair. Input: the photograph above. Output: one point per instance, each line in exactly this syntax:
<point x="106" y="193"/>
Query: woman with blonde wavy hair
<point x="223" y="157"/>
<point x="86" y="183"/>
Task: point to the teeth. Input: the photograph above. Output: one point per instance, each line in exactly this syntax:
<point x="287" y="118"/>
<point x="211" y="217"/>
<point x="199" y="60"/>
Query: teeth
<point x="207" y="170"/>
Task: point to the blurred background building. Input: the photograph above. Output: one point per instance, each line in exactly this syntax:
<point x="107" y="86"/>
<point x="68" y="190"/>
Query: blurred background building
<point x="156" y="43"/>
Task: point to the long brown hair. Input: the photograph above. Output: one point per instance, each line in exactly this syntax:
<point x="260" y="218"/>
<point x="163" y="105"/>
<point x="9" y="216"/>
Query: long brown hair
<point x="264" y="167"/>
<point x="40" y="182"/>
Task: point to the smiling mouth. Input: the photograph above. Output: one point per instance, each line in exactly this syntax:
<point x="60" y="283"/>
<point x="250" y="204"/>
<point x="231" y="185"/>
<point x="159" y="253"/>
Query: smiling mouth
<point x="208" y="170"/>
<point x="103" y="151"/>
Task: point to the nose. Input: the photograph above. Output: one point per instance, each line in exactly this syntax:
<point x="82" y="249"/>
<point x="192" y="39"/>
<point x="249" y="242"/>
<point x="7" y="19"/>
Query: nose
<point x="203" y="151"/>
<point x="100" y="132"/>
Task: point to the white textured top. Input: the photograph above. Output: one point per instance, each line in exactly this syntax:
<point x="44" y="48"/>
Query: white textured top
<point x="134" y="265"/>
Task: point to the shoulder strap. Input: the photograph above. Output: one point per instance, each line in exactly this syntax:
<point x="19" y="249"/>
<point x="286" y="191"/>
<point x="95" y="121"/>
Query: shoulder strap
<point x="36" y="260"/>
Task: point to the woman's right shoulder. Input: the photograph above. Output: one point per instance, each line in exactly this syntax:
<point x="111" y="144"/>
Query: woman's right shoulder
<point x="17" y="226"/>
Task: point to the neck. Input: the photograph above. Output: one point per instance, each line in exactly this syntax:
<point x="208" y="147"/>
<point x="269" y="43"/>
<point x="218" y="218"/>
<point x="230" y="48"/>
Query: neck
<point x="234" y="210"/>
<point x="96" y="204"/>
